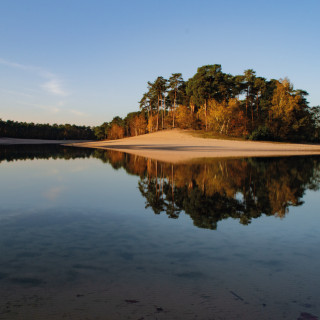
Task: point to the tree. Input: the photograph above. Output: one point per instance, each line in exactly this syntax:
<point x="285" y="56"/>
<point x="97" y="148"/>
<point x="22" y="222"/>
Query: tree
<point x="157" y="90"/>
<point x="221" y="115"/>
<point x="290" y="117"/>
<point x="184" y="117"/>
<point x="259" y="87"/>
<point x="116" y="132"/>
<point x="206" y="84"/>
<point x="249" y="80"/>
<point x="101" y="132"/>
<point x="175" y="83"/>
<point x="138" y="125"/>
<point x="315" y="115"/>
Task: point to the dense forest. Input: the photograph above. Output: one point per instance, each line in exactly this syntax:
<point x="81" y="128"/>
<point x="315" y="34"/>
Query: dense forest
<point x="14" y="129"/>
<point x="245" y="106"/>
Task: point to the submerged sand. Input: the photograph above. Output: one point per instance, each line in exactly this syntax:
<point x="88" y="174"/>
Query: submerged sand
<point x="180" y="145"/>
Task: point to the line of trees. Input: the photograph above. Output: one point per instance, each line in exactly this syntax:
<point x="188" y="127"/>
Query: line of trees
<point x="26" y="130"/>
<point x="242" y="106"/>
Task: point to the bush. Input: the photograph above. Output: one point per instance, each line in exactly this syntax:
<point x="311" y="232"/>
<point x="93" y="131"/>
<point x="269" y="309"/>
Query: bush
<point x="262" y="133"/>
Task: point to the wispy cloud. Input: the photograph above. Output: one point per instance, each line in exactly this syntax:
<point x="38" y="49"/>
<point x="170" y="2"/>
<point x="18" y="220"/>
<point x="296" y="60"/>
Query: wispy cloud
<point x="52" y="84"/>
<point x="16" y="65"/>
<point x="16" y="93"/>
<point x="51" y="109"/>
<point x="55" y="109"/>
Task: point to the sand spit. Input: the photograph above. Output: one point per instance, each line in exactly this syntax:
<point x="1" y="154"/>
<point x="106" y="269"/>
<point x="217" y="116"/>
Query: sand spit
<point x="180" y="145"/>
<point x="10" y="141"/>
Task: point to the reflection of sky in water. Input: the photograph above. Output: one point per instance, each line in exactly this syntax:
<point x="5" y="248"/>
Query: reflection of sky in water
<point x="78" y="225"/>
<point x="77" y="183"/>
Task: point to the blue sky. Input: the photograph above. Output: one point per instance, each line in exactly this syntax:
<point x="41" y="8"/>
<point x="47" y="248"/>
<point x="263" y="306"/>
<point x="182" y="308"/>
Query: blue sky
<point x="85" y="62"/>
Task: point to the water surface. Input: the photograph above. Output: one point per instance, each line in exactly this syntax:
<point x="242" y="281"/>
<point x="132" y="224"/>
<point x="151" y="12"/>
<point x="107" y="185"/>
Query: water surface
<point x="91" y="234"/>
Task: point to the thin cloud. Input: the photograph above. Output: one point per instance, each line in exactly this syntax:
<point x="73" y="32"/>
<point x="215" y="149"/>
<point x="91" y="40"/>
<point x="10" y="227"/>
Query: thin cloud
<point x="16" y="65"/>
<point x="55" y="109"/>
<point x="51" y="109"/>
<point x="16" y="93"/>
<point x="52" y="84"/>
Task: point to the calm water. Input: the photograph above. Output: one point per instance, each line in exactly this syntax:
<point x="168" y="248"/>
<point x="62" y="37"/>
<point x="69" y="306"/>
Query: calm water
<point x="103" y="235"/>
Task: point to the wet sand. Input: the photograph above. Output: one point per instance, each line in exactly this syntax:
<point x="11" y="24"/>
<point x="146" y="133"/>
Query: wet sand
<point x="181" y="145"/>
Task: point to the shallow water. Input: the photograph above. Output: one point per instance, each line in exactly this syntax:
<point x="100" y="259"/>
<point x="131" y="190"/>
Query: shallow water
<point x="90" y="234"/>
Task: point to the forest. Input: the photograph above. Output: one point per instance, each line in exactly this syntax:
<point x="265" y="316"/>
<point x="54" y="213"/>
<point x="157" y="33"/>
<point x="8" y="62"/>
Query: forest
<point x="14" y="129"/>
<point x="220" y="104"/>
<point x="247" y="106"/>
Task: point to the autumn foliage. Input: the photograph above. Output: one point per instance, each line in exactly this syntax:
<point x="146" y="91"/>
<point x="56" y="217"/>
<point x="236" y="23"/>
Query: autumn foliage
<point x="245" y="106"/>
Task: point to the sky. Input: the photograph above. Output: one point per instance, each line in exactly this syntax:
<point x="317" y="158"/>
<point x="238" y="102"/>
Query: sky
<point x="85" y="62"/>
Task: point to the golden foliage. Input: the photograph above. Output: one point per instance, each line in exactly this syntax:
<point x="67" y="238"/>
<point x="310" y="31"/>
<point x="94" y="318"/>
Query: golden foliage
<point x="184" y="117"/>
<point x="152" y="123"/>
<point x="138" y="125"/>
<point x="285" y="109"/>
<point x="224" y="117"/>
<point x="116" y="132"/>
<point x="283" y="101"/>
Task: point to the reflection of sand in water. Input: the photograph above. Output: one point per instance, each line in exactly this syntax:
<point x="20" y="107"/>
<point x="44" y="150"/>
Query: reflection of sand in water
<point x="178" y="145"/>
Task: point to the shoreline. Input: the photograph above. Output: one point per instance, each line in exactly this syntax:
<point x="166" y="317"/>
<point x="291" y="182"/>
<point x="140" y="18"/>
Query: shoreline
<point x="19" y="141"/>
<point x="178" y="145"/>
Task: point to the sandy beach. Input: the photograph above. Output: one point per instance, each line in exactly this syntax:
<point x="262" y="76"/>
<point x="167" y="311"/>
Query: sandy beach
<point x="180" y="145"/>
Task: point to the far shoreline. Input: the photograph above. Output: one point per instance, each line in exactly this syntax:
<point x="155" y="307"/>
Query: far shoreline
<point x="18" y="141"/>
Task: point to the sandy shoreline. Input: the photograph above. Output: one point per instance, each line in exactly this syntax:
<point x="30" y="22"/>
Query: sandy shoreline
<point x="11" y="141"/>
<point x="179" y="145"/>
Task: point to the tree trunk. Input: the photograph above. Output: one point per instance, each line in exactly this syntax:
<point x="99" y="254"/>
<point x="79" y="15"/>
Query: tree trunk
<point x="158" y="113"/>
<point x="149" y="118"/>
<point x="258" y="112"/>
<point x="246" y="117"/>
<point x="252" y="121"/>
<point x="174" y="107"/>
<point x="205" y="114"/>
<point x="163" y="107"/>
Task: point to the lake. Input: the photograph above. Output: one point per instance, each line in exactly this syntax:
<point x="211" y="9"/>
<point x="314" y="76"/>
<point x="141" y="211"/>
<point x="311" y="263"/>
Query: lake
<point x="95" y="234"/>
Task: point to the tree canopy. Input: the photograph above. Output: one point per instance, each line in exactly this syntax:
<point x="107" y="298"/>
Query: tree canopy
<point x="245" y="105"/>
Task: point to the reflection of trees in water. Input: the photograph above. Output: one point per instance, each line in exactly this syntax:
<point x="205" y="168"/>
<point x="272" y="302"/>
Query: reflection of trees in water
<point x="208" y="191"/>
<point x="43" y="151"/>
<point x="216" y="189"/>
